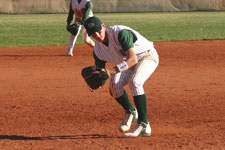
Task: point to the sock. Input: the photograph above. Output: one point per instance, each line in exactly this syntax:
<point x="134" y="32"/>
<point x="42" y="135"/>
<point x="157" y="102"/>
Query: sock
<point x="141" y="105"/>
<point x="125" y="102"/>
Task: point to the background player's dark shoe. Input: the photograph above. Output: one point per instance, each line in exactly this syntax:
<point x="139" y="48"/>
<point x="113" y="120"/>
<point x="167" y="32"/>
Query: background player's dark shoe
<point x="69" y="54"/>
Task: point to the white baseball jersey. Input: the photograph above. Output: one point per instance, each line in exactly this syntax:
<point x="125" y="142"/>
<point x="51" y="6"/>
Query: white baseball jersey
<point x="78" y="8"/>
<point x="113" y="52"/>
<point x="135" y="76"/>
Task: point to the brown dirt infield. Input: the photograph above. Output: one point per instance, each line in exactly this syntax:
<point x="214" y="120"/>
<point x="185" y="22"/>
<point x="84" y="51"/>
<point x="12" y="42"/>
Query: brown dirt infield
<point x="45" y="104"/>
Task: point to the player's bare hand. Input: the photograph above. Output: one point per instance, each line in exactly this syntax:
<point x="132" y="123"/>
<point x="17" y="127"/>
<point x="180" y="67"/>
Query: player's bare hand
<point x="112" y="71"/>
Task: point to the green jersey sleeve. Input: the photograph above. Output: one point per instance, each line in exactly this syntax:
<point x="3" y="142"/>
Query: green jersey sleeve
<point x="87" y="10"/>
<point x="70" y="14"/>
<point x="127" y="39"/>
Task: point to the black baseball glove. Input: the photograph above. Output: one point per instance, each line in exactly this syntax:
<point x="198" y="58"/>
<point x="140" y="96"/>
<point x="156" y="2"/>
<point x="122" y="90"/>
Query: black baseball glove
<point x="94" y="76"/>
<point x="73" y="28"/>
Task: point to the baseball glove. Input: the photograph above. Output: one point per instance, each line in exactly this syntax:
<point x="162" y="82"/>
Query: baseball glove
<point x="73" y="28"/>
<point x="94" y="76"/>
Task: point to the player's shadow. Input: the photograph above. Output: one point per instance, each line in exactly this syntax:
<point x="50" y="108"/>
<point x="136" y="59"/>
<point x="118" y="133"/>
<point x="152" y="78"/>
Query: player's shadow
<point x="17" y="137"/>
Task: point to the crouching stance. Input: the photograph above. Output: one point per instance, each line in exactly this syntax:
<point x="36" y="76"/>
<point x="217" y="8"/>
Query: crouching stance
<point x="135" y="59"/>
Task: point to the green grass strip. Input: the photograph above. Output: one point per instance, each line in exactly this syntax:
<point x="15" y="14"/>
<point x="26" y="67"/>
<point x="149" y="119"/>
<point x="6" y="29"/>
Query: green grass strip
<point x="50" y="29"/>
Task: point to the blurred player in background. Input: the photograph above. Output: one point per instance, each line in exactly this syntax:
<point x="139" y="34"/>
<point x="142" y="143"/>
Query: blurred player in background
<point x="82" y="10"/>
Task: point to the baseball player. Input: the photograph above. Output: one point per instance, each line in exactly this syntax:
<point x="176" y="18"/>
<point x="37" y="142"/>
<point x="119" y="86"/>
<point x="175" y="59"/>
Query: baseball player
<point x="135" y="59"/>
<point x="82" y="10"/>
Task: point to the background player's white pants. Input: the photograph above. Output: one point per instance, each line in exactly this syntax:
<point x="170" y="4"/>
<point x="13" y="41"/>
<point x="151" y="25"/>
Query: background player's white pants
<point x="73" y="39"/>
<point x="135" y="77"/>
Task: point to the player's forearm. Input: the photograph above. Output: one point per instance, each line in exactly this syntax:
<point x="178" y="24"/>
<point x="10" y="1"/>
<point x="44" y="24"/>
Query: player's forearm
<point x="125" y="65"/>
<point x="121" y="67"/>
<point x="132" y="61"/>
<point x="131" y="57"/>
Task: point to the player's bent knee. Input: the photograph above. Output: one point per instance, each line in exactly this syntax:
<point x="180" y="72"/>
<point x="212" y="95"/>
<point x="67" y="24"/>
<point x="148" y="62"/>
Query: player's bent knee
<point x="135" y="84"/>
<point x="115" y="91"/>
<point x="136" y="88"/>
